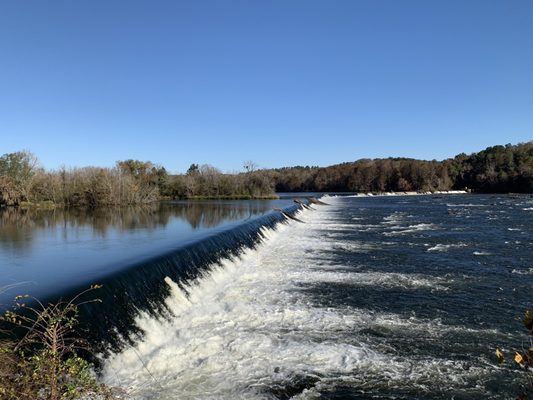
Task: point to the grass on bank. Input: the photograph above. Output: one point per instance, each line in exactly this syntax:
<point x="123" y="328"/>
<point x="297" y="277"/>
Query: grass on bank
<point x="42" y="205"/>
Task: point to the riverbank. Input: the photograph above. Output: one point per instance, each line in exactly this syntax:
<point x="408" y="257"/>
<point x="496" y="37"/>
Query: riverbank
<point x="235" y="197"/>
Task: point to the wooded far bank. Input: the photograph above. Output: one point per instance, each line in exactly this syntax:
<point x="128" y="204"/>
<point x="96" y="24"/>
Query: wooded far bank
<point x="499" y="169"/>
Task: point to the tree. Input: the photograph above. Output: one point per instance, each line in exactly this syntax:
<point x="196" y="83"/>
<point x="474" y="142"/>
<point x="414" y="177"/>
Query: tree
<point x="249" y="166"/>
<point x="193" y="169"/>
<point x="10" y="195"/>
<point x="142" y="178"/>
<point x="20" y="167"/>
<point x="137" y="169"/>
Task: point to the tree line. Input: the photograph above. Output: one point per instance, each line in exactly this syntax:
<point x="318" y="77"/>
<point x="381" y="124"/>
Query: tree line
<point x="208" y="182"/>
<point x="129" y="182"/>
<point x="501" y="169"/>
<point x="506" y="168"/>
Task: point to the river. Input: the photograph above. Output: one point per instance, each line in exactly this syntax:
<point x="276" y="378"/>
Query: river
<point x="366" y="297"/>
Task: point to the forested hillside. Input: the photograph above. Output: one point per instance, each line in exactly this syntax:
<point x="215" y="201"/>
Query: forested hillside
<point x="506" y="168"/>
<point x="495" y="169"/>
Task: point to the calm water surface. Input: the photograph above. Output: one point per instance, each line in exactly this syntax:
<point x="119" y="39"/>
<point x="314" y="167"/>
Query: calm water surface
<point x="43" y="252"/>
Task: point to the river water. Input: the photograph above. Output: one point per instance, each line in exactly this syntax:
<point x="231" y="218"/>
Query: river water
<point x="389" y="297"/>
<point x="46" y="252"/>
<point x="400" y="297"/>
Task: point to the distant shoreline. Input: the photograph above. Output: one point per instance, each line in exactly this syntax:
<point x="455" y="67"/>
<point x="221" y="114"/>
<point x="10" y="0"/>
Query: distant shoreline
<point x="412" y="193"/>
<point x="281" y="195"/>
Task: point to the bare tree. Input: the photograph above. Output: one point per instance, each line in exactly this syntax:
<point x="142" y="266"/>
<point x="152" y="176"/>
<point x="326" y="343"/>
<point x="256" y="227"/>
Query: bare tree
<point x="249" y="166"/>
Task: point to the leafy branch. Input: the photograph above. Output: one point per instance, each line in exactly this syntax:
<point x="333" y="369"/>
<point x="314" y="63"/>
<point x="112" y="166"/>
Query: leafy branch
<point x="44" y="362"/>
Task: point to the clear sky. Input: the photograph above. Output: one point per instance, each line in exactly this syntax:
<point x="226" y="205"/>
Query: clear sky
<point x="282" y="83"/>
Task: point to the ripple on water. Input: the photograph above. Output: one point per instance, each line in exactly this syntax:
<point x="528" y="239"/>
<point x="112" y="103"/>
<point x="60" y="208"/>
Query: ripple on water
<point x="254" y="328"/>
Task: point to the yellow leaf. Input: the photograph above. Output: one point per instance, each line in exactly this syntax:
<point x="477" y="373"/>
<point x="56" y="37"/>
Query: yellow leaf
<point x="518" y="358"/>
<point x="499" y="356"/>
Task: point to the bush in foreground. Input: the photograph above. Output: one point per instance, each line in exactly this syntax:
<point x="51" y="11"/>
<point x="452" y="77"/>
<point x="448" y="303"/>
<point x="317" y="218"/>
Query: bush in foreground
<point x="39" y="353"/>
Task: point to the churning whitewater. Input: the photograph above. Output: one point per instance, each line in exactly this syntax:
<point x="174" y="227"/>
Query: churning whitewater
<point x="365" y="298"/>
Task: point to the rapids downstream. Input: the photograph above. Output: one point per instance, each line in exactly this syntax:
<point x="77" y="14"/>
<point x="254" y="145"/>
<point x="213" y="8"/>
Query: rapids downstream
<point x="387" y="298"/>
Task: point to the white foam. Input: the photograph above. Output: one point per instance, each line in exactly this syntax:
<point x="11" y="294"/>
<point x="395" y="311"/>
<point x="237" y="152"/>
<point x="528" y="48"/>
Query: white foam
<point x="248" y="324"/>
<point x="529" y="271"/>
<point x="226" y="334"/>
<point x="394" y="218"/>
<point x="467" y="205"/>
<point x="445" y="247"/>
<point x="353" y="246"/>
<point x="410" y="229"/>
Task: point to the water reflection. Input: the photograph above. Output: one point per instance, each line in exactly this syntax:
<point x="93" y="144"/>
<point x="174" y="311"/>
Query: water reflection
<point x="17" y="225"/>
<point x="209" y="214"/>
<point x="45" y="251"/>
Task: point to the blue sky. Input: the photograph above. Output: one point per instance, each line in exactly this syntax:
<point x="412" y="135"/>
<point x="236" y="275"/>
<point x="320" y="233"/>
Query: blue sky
<point x="278" y="82"/>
